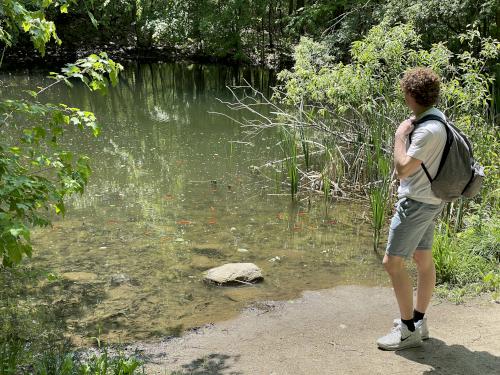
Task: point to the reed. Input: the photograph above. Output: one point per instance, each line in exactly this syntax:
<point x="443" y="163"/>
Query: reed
<point x="305" y="148"/>
<point x="289" y="147"/>
<point x="379" y="171"/>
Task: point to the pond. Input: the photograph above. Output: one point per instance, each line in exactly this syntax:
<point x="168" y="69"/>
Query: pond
<point x="173" y="193"/>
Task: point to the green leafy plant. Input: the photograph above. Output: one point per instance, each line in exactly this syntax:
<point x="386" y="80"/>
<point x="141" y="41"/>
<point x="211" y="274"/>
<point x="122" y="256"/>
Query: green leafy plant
<point x="492" y="281"/>
<point x="458" y="261"/>
<point x="101" y="363"/>
<point x="36" y="173"/>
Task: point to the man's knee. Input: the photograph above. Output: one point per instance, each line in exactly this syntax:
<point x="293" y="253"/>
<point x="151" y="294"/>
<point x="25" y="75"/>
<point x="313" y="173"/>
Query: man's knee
<point x="393" y="264"/>
<point x="423" y="260"/>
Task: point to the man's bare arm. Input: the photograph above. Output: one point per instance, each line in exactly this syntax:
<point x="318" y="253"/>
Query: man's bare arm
<point x="404" y="165"/>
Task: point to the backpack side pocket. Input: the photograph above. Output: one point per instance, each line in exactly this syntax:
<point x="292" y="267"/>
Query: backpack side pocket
<point x="475" y="183"/>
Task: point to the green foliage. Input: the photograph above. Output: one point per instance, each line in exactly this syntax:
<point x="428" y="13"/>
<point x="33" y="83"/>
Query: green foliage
<point x="241" y="29"/>
<point x="444" y="20"/>
<point x="379" y="193"/>
<point x="36" y="173"/>
<point x="101" y="363"/>
<point x="467" y="257"/>
<point x="92" y="71"/>
<point x="482" y="234"/>
<point x="208" y="27"/>
<point x="492" y="281"/>
<point x="30" y="17"/>
<point x="370" y="83"/>
<point x="104" y="364"/>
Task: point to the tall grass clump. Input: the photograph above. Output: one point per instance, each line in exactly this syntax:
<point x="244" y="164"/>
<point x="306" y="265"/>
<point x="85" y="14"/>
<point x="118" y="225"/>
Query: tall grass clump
<point x="289" y="148"/>
<point x="469" y="260"/>
<point x="378" y="169"/>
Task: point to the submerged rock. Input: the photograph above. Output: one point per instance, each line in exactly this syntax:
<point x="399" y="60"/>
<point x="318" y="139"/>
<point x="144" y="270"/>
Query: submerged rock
<point x="79" y="276"/>
<point x="234" y="273"/>
<point x="209" y="250"/>
<point x="119" y="279"/>
<point x="201" y="262"/>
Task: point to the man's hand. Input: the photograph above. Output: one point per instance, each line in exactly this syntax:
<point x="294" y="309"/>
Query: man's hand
<point x="405" y="128"/>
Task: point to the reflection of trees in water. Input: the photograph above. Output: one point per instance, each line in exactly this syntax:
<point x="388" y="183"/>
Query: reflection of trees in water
<point x="154" y="124"/>
<point x="178" y="87"/>
<point x="156" y="127"/>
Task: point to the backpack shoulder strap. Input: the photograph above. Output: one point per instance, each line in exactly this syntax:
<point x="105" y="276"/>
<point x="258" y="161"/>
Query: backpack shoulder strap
<point x="429" y="118"/>
<point x="448" y="136"/>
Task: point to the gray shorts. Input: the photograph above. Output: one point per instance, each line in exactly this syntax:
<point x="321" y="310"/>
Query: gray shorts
<point x="412" y="227"/>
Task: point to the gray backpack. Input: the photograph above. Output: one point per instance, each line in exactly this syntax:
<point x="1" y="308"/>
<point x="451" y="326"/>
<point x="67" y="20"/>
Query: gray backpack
<point x="458" y="173"/>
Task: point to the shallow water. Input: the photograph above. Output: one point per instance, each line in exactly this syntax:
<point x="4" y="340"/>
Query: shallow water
<point x="173" y="193"/>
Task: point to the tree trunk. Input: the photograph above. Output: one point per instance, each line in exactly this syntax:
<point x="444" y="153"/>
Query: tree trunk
<point x="262" y="41"/>
<point x="270" y="25"/>
<point x="497" y="31"/>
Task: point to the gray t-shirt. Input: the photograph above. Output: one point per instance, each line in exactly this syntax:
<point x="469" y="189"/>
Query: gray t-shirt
<point x="427" y="144"/>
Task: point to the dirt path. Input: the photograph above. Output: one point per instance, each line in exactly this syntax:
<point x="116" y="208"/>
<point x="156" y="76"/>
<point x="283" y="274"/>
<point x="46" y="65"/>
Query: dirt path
<point x="333" y="332"/>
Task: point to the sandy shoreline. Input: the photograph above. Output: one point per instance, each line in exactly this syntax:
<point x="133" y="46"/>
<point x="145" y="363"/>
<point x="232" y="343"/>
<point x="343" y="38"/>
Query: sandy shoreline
<point x="333" y="331"/>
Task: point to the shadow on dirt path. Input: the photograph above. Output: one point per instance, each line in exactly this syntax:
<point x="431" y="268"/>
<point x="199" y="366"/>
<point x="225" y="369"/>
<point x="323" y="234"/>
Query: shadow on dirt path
<point x="212" y="364"/>
<point x="452" y="359"/>
<point x="333" y="332"/>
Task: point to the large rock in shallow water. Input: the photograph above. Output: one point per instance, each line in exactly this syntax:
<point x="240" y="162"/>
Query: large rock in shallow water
<point x="234" y="273"/>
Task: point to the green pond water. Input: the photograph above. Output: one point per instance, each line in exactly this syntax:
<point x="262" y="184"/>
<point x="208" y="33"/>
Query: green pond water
<point x="172" y="194"/>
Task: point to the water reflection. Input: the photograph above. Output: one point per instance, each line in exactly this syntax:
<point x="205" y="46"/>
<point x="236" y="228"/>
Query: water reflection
<point x="172" y="196"/>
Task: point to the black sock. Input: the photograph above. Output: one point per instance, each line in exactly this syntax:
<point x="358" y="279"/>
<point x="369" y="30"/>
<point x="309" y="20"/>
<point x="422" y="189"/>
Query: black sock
<point x="409" y="323"/>
<point x="417" y="315"/>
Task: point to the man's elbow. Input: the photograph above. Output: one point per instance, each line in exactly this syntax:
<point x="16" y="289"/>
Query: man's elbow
<point x="400" y="172"/>
<point x="404" y="170"/>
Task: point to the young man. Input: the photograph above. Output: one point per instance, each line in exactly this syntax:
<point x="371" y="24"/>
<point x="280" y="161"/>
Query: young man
<point x="412" y="227"/>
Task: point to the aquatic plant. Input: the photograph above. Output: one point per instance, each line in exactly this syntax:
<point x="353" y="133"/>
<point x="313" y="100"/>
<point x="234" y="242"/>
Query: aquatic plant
<point x="289" y="147"/>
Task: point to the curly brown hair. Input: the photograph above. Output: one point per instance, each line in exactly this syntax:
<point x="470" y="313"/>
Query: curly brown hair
<point x="422" y="84"/>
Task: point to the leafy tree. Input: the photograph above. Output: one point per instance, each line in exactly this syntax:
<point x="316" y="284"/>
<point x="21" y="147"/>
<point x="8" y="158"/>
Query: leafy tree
<point x="438" y="20"/>
<point x="36" y="173"/>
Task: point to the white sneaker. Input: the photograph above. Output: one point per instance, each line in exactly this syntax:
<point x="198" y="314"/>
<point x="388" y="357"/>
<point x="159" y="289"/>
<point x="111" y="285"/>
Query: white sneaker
<point x="399" y="338"/>
<point x="421" y="325"/>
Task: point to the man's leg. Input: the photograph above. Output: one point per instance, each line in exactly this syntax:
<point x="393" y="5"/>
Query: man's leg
<point x="401" y="282"/>
<point x="426" y="278"/>
<point x="404" y="335"/>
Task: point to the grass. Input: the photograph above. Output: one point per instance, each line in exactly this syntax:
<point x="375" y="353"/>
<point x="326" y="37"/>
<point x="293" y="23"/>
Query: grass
<point x="378" y="167"/>
<point x="468" y="263"/>
<point x="379" y="196"/>
<point x="289" y="147"/>
<point x="16" y="357"/>
<point x="102" y="363"/>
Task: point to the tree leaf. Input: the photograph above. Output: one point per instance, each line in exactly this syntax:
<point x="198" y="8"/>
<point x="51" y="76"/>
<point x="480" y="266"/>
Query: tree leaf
<point x="92" y="19"/>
